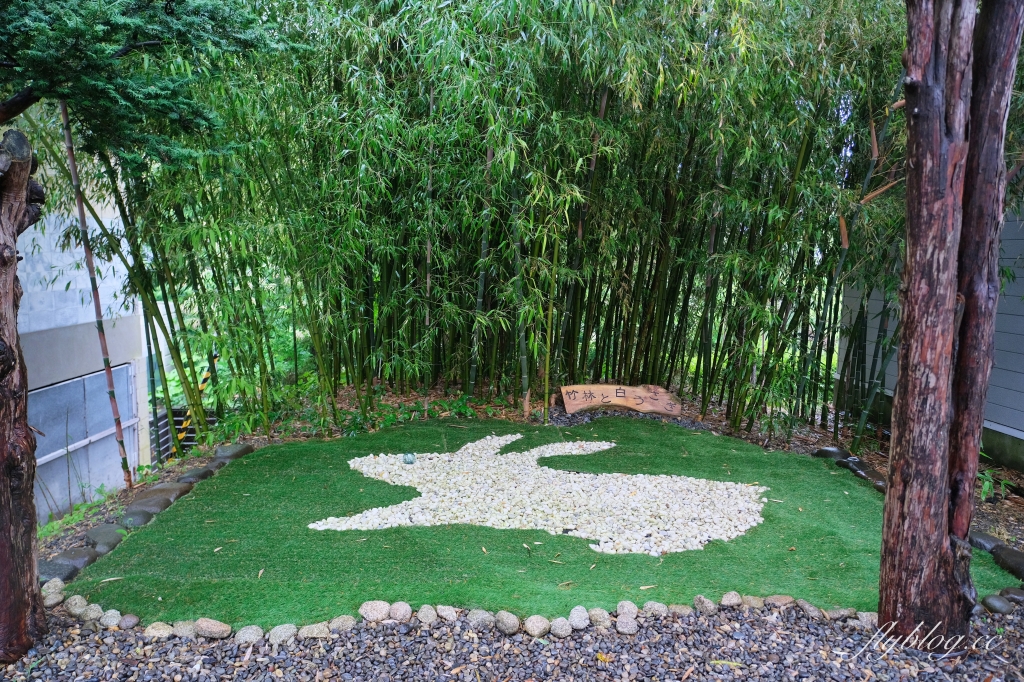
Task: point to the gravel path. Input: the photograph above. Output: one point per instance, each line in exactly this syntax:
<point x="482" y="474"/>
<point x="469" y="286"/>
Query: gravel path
<point x="760" y="644"/>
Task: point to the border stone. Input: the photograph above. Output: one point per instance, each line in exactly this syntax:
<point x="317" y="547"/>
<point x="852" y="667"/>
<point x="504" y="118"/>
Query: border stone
<point x="110" y="618"/>
<point x="983" y="541"/>
<point x="812" y="611"/>
<point x="426" y="614"/>
<point x="599" y="617"/>
<point x="153" y="505"/>
<point x="105" y="537"/>
<point x="448" y="613"/>
<point x="680" y="610"/>
<point x="831" y="452"/>
<point x="579" y="619"/>
<point x="704" y="606"/>
<point x="655" y="609"/>
<point x="185" y="628"/>
<point x="75" y="605"/>
<point x="868" y="619"/>
<point x="626" y="626"/>
<point x="507" y="623"/>
<point x="282" y="634"/>
<point x="128" y="621"/>
<point x="79" y="557"/>
<point x="732" y="599"/>
<point x="195" y="475"/>
<point x="1009" y="559"/>
<point x="752" y="602"/>
<point x="627" y="609"/>
<point x="400" y="611"/>
<point x="234" y="451"/>
<point x="51" y="599"/>
<point x="480" y="619"/>
<point x="136" y="519"/>
<point x="250" y="634"/>
<point x="537" y="626"/>
<point x="375" y="611"/>
<point x="216" y="464"/>
<point x="91" y="612"/>
<point x="314" y="631"/>
<point x="212" y="629"/>
<point x="993" y="603"/>
<point x="342" y="624"/>
<point x="170" y="490"/>
<point x="55" y="585"/>
<point x="560" y="628"/>
<point x="840" y="614"/>
<point x="158" y="630"/>
<point x="49" y="570"/>
<point x="778" y="601"/>
<point x="1014" y="594"/>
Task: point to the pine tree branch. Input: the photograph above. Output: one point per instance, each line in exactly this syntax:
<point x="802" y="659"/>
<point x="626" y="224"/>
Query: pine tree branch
<point x="15" y="104"/>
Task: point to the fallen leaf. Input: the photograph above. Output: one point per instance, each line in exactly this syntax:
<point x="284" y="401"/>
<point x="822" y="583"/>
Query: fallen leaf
<point x="647" y="587"/>
<point x="605" y="658"/>
<point x="538" y="543"/>
<point x="792" y="549"/>
<point x="484" y="549"/>
<point x="686" y="674"/>
<point x="110" y="580"/>
<point x="260" y="574"/>
<point x="800" y="508"/>
<point x="592" y="566"/>
<point x="218" y="549"/>
<point x="556" y="562"/>
<point x="361" y="540"/>
<point x="731" y="664"/>
<point x="774" y="500"/>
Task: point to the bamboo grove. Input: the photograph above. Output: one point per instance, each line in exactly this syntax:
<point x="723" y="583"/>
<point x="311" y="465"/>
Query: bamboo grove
<point x="499" y="197"/>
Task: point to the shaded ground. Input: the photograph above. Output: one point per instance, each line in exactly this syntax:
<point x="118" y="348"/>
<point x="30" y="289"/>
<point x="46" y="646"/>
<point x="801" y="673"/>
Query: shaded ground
<point x="237" y="549"/>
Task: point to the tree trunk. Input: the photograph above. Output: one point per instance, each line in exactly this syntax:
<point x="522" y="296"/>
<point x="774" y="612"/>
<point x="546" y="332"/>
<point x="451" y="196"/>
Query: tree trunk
<point x="918" y="578"/>
<point x="22" y="618"/>
<point x="997" y="39"/>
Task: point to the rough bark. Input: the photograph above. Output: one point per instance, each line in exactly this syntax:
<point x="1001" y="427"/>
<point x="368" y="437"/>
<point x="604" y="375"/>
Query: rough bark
<point x="22" y="618"/>
<point x="997" y="39"/>
<point x="919" y="565"/>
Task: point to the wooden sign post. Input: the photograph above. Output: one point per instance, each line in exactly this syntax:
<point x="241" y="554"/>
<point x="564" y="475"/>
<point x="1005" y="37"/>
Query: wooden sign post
<point x="652" y="399"/>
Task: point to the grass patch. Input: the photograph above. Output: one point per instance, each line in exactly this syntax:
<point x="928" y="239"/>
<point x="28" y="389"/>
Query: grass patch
<point x="237" y="549"/>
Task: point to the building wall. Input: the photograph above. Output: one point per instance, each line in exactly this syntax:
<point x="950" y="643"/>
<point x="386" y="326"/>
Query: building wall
<point x="1003" y="438"/>
<point x="78" y="455"/>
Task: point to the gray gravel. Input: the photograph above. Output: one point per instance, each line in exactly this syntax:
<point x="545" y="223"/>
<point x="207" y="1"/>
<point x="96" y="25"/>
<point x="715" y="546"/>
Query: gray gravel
<point x="760" y="645"/>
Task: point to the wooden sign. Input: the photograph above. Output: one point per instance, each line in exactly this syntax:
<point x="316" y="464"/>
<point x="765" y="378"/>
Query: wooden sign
<point x="640" y="398"/>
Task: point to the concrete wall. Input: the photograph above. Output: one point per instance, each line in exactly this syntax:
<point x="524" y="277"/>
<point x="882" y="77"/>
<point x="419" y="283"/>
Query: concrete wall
<point x="1003" y="438"/>
<point x="67" y="399"/>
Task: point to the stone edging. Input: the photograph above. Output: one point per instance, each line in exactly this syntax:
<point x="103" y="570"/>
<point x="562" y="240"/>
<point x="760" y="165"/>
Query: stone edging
<point x="626" y="619"/>
<point x="143" y="508"/>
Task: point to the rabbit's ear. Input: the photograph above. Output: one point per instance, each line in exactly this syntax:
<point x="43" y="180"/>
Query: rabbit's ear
<point x="490" y="445"/>
<point x="573" y="448"/>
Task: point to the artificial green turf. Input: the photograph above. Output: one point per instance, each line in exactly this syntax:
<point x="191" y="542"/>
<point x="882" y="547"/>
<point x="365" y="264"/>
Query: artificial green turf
<point x="819" y="540"/>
